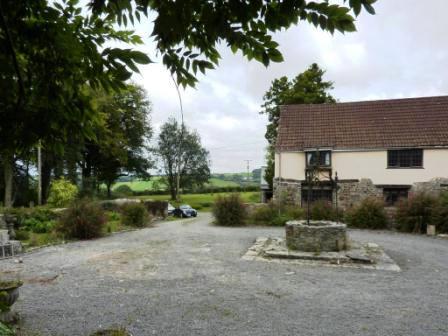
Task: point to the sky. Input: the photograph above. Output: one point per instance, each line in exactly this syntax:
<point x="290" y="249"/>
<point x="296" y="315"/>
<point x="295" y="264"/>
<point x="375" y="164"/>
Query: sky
<point x="402" y="51"/>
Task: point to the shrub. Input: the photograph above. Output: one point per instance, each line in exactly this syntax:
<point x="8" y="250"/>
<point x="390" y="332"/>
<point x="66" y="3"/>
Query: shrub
<point x="369" y="214"/>
<point x="264" y="213"/>
<point x="38" y="226"/>
<point x="22" y="235"/>
<point x="294" y="212"/>
<point x="229" y="210"/>
<point x="323" y="210"/>
<point x="439" y="215"/>
<point x="83" y="220"/>
<point x="134" y="214"/>
<point x="62" y="193"/>
<point x="124" y="190"/>
<point x="275" y="215"/>
<point x="38" y="219"/>
<point x="156" y="208"/>
<point x="414" y="214"/>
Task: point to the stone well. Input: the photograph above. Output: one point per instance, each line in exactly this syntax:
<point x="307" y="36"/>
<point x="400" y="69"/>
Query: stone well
<point x="318" y="236"/>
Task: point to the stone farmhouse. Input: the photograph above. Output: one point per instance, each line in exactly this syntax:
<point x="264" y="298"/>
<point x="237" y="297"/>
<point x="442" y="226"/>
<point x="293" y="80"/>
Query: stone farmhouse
<point x="384" y="148"/>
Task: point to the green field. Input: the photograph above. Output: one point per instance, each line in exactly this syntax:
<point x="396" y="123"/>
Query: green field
<point x="203" y="202"/>
<point x="139" y="185"/>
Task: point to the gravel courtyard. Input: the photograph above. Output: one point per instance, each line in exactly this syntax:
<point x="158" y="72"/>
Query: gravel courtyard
<point x="187" y="278"/>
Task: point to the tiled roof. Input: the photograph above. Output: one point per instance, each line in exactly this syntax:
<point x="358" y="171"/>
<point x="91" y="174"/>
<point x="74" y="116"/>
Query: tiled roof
<point x="411" y="122"/>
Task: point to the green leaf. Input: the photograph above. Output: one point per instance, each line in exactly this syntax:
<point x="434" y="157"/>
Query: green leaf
<point x="140" y="58"/>
<point x="275" y="55"/>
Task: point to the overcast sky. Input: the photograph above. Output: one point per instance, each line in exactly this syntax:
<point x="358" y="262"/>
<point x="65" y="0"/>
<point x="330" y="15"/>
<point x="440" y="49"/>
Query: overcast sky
<point x="400" y="52"/>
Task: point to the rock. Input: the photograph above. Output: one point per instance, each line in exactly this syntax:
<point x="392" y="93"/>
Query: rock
<point x="372" y="246"/>
<point x="359" y="257"/>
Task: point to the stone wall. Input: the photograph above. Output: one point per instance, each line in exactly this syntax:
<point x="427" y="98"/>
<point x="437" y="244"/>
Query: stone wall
<point x="434" y="186"/>
<point x="317" y="236"/>
<point x="288" y="191"/>
<point x="352" y="192"/>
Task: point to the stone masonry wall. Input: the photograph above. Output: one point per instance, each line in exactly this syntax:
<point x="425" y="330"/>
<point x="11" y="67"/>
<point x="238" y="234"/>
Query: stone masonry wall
<point x="352" y="192"/>
<point x="434" y="186"/>
<point x="288" y="191"/>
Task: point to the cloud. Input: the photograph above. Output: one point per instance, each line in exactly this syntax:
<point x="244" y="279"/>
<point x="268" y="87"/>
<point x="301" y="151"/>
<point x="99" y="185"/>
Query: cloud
<point x="400" y="52"/>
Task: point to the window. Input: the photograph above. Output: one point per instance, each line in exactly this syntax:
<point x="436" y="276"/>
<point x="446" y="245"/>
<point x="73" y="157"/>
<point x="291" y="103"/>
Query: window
<point x="405" y="158"/>
<point x="393" y="195"/>
<point x="324" y="158"/>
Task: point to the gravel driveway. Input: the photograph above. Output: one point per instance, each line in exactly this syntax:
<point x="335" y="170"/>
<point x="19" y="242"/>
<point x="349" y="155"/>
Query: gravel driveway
<point x="187" y="278"/>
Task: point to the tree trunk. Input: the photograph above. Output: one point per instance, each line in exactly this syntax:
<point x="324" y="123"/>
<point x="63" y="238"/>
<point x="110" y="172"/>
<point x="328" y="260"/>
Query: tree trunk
<point x="8" y="172"/>
<point x="109" y="193"/>
<point x="47" y="168"/>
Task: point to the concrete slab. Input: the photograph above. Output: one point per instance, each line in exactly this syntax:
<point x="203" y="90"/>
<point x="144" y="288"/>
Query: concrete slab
<point x="367" y="256"/>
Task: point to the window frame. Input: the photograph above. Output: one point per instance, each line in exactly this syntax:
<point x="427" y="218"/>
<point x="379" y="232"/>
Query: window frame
<point x="321" y="155"/>
<point x="400" y="158"/>
<point x="392" y="195"/>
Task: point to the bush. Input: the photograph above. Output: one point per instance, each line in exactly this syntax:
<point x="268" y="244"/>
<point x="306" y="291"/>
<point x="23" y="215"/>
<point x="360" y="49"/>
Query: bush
<point x="38" y="226"/>
<point x="323" y="210"/>
<point x="83" y="220"/>
<point x="265" y="213"/>
<point x="156" y="208"/>
<point x="22" y="235"/>
<point x="415" y="213"/>
<point x="275" y="215"/>
<point x="134" y="214"/>
<point x="124" y="190"/>
<point x="38" y="219"/>
<point x="369" y="214"/>
<point x="229" y="210"/>
<point x="62" y="193"/>
<point x="439" y="215"/>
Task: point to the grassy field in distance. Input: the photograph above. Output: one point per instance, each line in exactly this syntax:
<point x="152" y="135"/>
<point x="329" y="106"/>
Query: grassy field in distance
<point x="204" y="202"/>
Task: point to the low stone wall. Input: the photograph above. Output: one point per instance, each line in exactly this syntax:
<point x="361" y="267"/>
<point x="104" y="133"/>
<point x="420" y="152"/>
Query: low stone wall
<point x="288" y="191"/>
<point x="434" y="186"/>
<point x="351" y="193"/>
<point x="319" y="236"/>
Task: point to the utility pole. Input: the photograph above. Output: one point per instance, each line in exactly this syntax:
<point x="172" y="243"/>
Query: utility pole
<point x="180" y="146"/>
<point x="248" y="170"/>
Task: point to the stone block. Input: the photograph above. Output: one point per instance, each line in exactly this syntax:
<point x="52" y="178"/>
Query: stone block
<point x="318" y="236"/>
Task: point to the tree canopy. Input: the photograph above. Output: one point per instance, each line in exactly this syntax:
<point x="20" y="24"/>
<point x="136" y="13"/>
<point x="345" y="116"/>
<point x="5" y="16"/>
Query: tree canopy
<point x="181" y="151"/>
<point x="188" y="32"/>
<point x="308" y="87"/>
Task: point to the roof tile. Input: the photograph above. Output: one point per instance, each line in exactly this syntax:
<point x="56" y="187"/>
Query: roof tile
<point x="410" y="122"/>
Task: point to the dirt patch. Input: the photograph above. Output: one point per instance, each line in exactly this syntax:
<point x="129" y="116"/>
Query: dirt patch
<point x="139" y="263"/>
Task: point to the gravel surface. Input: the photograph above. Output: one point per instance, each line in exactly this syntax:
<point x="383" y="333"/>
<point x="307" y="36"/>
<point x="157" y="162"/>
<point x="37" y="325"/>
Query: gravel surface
<point x="187" y="278"/>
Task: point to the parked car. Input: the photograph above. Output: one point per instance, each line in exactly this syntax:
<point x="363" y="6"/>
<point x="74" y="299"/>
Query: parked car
<point x="185" y="211"/>
<point x="170" y="209"/>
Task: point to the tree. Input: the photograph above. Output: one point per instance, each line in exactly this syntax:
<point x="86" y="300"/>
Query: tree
<point x="187" y="32"/>
<point x="180" y="150"/>
<point x="48" y="54"/>
<point x="308" y="87"/>
<point x="122" y="141"/>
